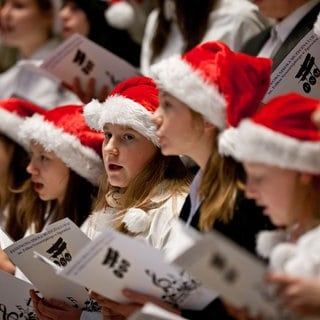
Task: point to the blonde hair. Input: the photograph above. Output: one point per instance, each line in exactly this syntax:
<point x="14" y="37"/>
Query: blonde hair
<point x="166" y="170"/>
<point x="219" y="186"/>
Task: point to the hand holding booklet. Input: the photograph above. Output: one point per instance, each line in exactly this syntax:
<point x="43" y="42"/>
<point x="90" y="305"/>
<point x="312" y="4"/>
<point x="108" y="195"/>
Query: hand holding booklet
<point x="62" y="262"/>
<point x="82" y="58"/>
<point x="235" y="273"/>
<point x="59" y="242"/>
<point x="114" y="261"/>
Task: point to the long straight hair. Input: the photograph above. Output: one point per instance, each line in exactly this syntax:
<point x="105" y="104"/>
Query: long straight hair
<point x="17" y="175"/>
<point x="219" y="186"/>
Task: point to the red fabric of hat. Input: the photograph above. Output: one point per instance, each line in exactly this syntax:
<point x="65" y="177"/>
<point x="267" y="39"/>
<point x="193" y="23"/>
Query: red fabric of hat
<point x="12" y="113"/>
<point x="131" y="104"/>
<point x="282" y="134"/>
<point x="63" y="130"/>
<point x="216" y="82"/>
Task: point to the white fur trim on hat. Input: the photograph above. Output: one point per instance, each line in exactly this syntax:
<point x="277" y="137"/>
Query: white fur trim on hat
<point x="136" y="220"/>
<point x="81" y="159"/>
<point x="120" y="15"/>
<point x="9" y="126"/>
<point x="227" y="141"/>
<point x="178" y="78"/>
<point x="257" y="143"/>
<point x="120" y="110"/>
<point x="316" y="26"/>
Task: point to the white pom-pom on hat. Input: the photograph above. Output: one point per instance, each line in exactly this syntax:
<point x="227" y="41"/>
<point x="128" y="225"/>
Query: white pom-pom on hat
<point x="136" y="220"/>
<point x="267" y="240"/>
<point x="120" y="14"/>
<point x="280" y="256"/>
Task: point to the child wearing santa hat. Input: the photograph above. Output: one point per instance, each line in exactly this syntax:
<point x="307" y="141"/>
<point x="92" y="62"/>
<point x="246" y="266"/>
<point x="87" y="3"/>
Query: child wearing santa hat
<point x="143" y="191"/>
<point x="65" y="165"/>
<point x="198" y="92"/>
<point x="280" y="148"/>
<point x="13" y="161"/>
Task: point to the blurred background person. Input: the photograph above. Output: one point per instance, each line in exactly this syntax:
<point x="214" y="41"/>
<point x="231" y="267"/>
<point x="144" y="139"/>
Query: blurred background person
<point x="294" y="19"/>
<point x="31" y="27"/>
<point x="175" y="26"/>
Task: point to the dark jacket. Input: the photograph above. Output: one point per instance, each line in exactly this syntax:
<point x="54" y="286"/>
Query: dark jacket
<point x="248" y="220"/>
<point x="254" y="45"/>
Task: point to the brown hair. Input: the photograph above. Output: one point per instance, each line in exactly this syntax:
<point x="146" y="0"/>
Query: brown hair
<point x="219" y="186"/>
<point x="17" y="175"/>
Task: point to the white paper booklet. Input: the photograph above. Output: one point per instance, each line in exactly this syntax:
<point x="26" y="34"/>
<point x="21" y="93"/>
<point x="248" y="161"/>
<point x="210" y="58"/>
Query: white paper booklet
<point x="80" y="57"/>
<point x="299" y="71"/>
<point x="59" y="242"/>
<point x="5" y="239"/>
<point x="234" y="272"/>
<point x="15" y="301"/>
<point x="152" y="312"/>
<point x="114" y="261"/>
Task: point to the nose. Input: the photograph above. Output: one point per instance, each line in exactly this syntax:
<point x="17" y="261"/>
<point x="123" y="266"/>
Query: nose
<point x="110" y="146"/>
<point x="157" y="118"/>
<point x="64" y="13"/>
<point x="250" y="191"/>
<point x="32" y="168"/>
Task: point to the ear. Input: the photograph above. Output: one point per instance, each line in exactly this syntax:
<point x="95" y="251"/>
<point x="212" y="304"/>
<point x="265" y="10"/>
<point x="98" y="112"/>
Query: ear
<point x="208" y="125"/>
<point x="305" y="178"/>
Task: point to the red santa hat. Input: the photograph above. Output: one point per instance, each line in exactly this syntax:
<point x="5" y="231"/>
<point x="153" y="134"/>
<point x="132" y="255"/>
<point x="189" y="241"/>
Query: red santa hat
<point x="12" y="114"/>
<point x="215" y="81"/>
<point x="131" y="104"/>
<point x="282" y="133"/>
<point x="63" y="130"/>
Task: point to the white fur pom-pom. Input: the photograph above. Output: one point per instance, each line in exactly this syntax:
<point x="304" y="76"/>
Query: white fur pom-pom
<point x="92" y="112"/>
<point x="267" y="240"/>
<point x="316" y="26"/>
<point x="227" y="141"/>
<point x="120" y="15"/>
<point x="136" y="220"/>
<point x="280" y="255"/>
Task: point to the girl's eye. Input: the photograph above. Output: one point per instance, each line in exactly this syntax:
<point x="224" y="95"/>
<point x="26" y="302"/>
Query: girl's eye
<point x="107" y="135"/>
<point x="43" y="158"/>
<point x="128" y="137"/>
<point x="19" y="5"/>
<point x="165" y="104"/>
<point x="256" y="180"/>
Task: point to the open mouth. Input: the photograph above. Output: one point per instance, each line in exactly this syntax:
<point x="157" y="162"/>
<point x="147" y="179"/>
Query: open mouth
<point x="37" y="186"/>
<point x="114" y="167"/>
